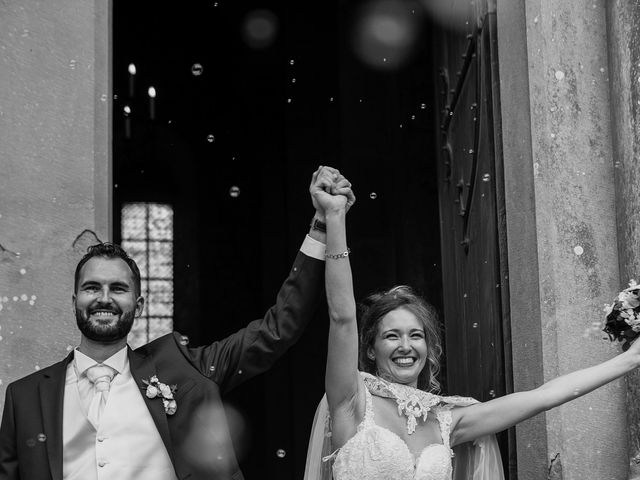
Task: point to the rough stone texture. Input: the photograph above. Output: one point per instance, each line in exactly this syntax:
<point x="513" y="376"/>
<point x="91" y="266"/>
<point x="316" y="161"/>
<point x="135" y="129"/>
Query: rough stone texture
<point x="623" y="18"/>
<point x="562" y="231"/>
<point x="524" y="301"/>
<point x="54" y="178"/>
<point x="576" y="230"/>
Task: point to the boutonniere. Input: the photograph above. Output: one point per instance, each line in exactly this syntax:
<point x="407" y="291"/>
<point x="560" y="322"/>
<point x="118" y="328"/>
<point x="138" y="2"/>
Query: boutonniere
<point x="157" y="389"/>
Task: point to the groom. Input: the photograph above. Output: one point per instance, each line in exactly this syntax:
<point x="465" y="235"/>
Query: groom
<point x="109" y="412"/>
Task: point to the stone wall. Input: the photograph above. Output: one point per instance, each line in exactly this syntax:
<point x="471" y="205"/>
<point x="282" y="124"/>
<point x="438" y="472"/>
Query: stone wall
<point x="55" y="182"/>
<point x="623" y="17"/>
<point x="563" y="255"/>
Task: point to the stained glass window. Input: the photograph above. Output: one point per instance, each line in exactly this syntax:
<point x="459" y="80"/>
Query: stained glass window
<point x="147" y="236"/>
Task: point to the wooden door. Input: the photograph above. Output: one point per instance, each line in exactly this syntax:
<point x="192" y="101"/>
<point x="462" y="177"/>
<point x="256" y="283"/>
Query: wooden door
<point x="471" y="210"/>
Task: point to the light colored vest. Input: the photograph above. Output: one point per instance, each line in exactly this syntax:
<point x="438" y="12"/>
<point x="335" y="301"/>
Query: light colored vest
<point x="126" y="446"/>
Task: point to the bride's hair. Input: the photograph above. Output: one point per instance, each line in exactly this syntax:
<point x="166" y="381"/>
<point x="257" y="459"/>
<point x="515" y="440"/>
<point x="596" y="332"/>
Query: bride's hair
<point x="374" y="307"/>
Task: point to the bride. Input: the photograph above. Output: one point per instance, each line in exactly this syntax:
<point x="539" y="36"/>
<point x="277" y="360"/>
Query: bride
<point x="387" y="422"/>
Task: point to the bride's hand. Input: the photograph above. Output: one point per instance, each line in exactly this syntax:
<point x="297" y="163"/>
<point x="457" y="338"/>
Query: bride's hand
<point x="342" y="186"/>
<point x="331" y="203"/>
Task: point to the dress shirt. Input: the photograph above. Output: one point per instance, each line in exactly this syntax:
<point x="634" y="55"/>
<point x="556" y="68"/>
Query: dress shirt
<point x="126" y="444"/>
<point x="81" y="363"/>
<point x="313" y="248"/>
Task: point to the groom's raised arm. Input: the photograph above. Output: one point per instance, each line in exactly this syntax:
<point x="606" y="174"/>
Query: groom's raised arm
<point x="255" y="348"/>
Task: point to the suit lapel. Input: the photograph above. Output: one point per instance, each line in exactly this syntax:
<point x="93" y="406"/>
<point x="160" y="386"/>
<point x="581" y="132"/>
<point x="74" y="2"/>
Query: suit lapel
<point x="51" y="391"/>
<point x="143" y="368"/>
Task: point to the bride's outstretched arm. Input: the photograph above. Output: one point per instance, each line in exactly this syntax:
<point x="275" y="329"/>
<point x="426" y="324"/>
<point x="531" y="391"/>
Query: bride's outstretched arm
<point x="496" y="415"/>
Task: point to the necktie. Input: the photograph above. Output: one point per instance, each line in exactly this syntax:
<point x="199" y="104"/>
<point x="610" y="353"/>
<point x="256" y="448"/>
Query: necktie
<point x="100" y="376"/>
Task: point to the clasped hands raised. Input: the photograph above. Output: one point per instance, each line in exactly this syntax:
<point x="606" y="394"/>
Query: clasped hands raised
<point x="330" y="191"/>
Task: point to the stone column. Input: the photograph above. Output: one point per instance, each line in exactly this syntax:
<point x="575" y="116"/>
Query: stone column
<point x="623" y="17"/>
<point x="563" y="257"/>
<point x="55" y="119"/>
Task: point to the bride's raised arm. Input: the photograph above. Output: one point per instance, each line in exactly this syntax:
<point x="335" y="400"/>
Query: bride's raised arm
<point x="341" y="380"/>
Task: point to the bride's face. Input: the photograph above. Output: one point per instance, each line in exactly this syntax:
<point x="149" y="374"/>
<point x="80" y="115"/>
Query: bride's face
<point x="400" y="348"/>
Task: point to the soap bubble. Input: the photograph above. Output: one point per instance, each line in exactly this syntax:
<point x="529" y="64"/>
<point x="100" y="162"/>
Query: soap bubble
<point x="208" y="433"/>
<point x="384" y="34"/>
<point x="450" y="14"/>
<point x="260" y="28"/>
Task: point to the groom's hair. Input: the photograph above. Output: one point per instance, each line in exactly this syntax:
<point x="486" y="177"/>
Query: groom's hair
<point x="109" y="250"/>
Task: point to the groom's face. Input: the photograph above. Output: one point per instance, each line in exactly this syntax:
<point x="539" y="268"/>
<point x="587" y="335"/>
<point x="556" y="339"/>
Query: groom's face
<point x="106" y="302"/>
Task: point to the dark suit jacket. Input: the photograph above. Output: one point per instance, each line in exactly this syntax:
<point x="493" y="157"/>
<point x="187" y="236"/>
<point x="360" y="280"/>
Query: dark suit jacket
<point x="34" y="404"/>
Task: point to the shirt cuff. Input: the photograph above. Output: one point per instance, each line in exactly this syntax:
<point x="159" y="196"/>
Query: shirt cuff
<point x="313" y="248"/>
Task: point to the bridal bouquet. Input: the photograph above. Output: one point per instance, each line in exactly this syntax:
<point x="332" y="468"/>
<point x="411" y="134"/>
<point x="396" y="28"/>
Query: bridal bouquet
<point x="622" y="321"/>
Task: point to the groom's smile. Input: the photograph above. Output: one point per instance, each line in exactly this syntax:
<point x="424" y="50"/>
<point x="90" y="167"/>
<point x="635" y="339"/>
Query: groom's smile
<point x="106" y="301"/>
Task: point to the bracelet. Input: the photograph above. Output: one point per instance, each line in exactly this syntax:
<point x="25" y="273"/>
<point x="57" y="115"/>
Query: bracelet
<point x="336" y="256"/>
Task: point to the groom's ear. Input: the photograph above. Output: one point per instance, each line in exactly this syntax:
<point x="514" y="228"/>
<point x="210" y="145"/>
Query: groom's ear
<point x="139" y="306"/>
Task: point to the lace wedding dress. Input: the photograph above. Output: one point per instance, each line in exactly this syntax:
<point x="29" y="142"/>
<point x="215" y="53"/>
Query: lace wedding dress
<point x="376" y="453"/>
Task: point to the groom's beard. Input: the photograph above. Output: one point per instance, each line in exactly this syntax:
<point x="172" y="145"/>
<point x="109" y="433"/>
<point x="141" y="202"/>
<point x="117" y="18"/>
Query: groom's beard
<point x="98" y="332"/>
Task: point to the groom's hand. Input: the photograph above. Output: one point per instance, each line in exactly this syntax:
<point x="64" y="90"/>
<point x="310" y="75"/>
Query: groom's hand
<point x="329" y="189"/>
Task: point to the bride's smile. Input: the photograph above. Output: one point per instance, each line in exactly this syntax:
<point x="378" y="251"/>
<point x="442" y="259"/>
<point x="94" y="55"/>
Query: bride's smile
<point x="400" y="348"/>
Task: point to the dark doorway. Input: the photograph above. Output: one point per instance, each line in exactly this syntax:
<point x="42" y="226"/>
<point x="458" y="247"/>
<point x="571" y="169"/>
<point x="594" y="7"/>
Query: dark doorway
<point x="473" y="234"/>
<point x="238" y="124"/>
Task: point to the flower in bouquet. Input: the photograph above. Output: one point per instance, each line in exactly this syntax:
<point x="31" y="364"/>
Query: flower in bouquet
<point x="622" y="321"/>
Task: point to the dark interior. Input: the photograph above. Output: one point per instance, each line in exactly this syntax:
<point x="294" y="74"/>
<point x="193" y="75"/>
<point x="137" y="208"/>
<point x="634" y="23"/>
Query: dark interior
<point x="376" y="124"/>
